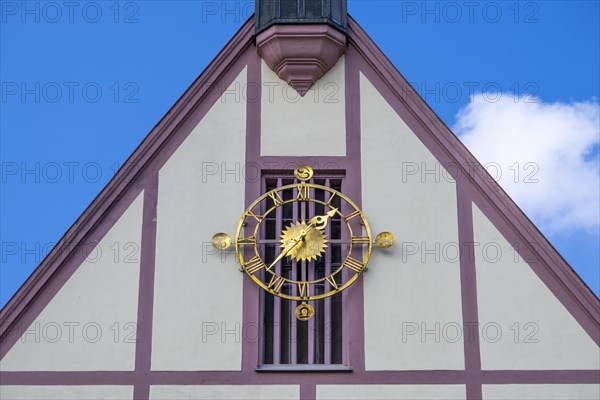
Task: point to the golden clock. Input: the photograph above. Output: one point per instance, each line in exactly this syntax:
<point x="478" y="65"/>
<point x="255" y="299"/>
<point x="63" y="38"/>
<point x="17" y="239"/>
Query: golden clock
<point x="302" y="240"/>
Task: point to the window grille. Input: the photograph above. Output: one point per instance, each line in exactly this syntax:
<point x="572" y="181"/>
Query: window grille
<point x="287" y="341"/>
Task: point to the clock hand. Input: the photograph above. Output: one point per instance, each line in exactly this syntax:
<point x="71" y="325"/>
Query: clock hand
<point x="288" y="248"/>
<point x="319" y="222"/>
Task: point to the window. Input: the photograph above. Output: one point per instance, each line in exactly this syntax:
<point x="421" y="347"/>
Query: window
<point x="287" y="341"/>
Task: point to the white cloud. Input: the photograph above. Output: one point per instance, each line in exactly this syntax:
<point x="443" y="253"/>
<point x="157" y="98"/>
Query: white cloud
<point x="557" y="179"/>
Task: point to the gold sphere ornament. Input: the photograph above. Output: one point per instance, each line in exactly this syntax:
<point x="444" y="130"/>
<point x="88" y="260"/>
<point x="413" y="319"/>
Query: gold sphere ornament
<point x="303" y="172"/>
<point x="221" y="241"/>
<point x="385" y="240"/>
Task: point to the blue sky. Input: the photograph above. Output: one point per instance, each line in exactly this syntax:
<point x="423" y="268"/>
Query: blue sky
<point x="81" y="88"/>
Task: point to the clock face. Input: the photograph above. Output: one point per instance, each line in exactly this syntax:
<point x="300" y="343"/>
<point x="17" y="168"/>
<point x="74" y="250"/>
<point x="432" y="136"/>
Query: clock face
<point x="281" y="254"/>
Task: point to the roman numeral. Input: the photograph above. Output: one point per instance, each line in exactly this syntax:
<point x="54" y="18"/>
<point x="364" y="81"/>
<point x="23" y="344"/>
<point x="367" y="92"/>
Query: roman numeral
<point x="303" y="192"/>
<point x="354" y="265"/>
<point x="254" y="265"/>
<point x="258" y="218"/>
<point x="303" y="289"/>
<point x="276" y="283"/>
<point x="352" y="215"/>
<point x="332" y="282"/>
<point x="276" y="197"/>
<point x="246" y="240"/>
<point x="360" y="240"/>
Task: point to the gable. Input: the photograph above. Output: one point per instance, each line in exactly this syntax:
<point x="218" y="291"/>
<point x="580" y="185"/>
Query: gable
<point x="198" y="319"/>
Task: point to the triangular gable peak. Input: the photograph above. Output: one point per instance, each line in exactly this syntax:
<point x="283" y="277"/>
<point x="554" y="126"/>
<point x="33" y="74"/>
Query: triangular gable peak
<point x="167" y="205"/>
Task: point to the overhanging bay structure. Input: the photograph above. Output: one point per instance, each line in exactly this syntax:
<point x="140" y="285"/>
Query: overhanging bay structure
<point x="305" y="154"/>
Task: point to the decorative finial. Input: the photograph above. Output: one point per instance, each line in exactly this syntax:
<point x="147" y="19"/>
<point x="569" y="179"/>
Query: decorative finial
<point x="303" y="173"/>
<point x="304" y="312"/>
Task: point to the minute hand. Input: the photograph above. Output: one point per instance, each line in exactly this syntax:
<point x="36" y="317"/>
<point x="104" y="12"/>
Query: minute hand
<point x="286" y="250"/>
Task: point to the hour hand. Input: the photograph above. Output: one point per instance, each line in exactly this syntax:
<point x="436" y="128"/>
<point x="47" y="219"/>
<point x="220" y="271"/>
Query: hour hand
<point x="320" y="221"/>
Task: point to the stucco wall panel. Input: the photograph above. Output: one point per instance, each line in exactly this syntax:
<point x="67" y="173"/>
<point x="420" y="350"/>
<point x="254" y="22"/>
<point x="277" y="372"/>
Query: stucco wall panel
<point x="90" y="325"/>
<point x="71" y="392"/>
<point x="390" y="392"/>
<point x="413" y="287"/>
<point x="523" y="325"/>
<point x="198" y="291"/>
<point x="229" y="392"/>
<point x="541" y="392"/>
<point x="313" y="125"/>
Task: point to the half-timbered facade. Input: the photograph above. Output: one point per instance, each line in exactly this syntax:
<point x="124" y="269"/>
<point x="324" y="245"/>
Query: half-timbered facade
<point x="471" y="302"/>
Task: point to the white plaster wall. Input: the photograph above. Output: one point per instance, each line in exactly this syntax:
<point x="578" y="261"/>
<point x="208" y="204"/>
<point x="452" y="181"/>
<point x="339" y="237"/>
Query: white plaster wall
<point x="541" y="392"/>
<point x="66" y="392"/>
<point x="229" y="392"/>
<point x="90" y="323"/>
<point x="510" y="293"/>
<point x="414" y="286"/>
<point x="390" y="392"/>
<point x="198" y="291"/>
<point x="313" y="125"/>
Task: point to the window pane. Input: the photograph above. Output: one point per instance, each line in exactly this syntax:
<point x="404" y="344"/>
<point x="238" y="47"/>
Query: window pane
<point x="313" y="8"/>
<point x="288" y="208"/>
<point x="289" y="8"/>
<point x="268" y="328"/>
<point x="336" y="329"/>
<point x="285" y="320"/>
<point x="319" y="324"/>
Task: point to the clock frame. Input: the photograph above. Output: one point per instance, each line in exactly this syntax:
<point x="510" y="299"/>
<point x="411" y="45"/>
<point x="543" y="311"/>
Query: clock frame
<point x="358" y="244"/>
